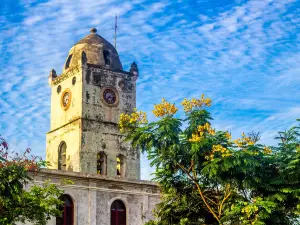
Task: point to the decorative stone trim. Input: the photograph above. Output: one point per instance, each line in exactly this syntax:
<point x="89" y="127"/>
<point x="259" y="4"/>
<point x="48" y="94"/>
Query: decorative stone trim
<point x="51" y="173"/>
<point x="119" y="73"/>
<point x="108" y="190"/>
<point x="70" y="72"/>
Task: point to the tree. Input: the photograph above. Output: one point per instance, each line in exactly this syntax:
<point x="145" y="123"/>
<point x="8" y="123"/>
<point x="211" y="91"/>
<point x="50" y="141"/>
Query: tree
<point x="38" y="203"/>
<point x="208" y="178"/>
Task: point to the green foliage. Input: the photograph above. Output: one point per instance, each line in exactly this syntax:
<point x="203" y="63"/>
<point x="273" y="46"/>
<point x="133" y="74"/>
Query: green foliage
<point x="36" y="205"/>
<point x="20" y="200"/>
<point x="206" y="178"/>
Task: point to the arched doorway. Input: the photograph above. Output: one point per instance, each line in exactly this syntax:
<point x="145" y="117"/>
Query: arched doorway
<point x="118" y="213"/>
<point x="67" y="216"/>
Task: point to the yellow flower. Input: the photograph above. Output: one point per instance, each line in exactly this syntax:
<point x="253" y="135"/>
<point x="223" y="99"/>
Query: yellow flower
<point x="267" y="150"/>
<point x="219" y="148"/>
<point x="244" y="141"/>
<point x="195" y="138"/>
<point x="128" y="121"/>
<point x="164" y="109"/>
<point x="201" y="130"/>
<point x="188" y="105"/>
<point x="251" y="143"/>
<point x="228" y="135"/>
<point x="212" y="131"/>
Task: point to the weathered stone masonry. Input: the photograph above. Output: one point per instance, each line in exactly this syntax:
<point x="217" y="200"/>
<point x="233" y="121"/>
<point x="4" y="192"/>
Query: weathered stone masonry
<point x="93" y="195"/>
<point x="89" y="119"/>
<point x="84" y="143"/>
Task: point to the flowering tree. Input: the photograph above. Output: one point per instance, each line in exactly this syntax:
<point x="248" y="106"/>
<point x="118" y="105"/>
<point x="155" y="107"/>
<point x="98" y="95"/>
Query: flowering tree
<point x="208" y="178"/>
<point x="36" y="204"/>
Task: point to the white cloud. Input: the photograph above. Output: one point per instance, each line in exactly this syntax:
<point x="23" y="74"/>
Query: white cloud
<point x="246" y="58"/>
<point x="32" y="20"/>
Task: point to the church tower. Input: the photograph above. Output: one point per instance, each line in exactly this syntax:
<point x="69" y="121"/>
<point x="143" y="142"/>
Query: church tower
<point x="86" y="102"/>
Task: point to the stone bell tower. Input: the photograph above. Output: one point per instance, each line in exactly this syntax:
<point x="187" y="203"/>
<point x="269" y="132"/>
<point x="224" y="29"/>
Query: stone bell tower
<point x="86" y="102"/>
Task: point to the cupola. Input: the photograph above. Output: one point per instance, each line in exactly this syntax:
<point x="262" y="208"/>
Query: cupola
<point x="98" y="51"/>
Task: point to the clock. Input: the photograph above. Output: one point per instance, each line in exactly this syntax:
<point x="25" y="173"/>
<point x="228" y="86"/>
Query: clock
<point x="65" y="100"/>
<point x="110" y="96"/>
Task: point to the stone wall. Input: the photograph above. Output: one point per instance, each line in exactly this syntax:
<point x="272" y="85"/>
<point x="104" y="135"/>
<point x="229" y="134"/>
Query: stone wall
<point x="93" y="195"/>
<point x="100" y="130"/>
<point x="90" y="125"/>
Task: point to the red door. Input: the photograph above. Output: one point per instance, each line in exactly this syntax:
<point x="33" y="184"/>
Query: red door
<point x="118" y="213"/>
<point x="67" y="212"/>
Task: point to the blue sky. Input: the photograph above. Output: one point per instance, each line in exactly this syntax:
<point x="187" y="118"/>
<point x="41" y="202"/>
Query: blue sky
<point x="245" y="55"/>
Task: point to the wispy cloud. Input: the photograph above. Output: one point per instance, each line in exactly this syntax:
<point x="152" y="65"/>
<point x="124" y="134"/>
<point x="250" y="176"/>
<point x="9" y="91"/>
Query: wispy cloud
<point x="244" y="55"/>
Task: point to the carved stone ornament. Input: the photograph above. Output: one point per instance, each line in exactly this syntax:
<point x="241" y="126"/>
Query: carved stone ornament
<point x="53" y="73"/>
<point x="134" y="71"/>
<point x="66" y="98"/>
<point x="52" y="76"/>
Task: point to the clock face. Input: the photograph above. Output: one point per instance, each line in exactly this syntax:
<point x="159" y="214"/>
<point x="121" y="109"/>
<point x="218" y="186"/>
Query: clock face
<point x="109" y="96"/>
<point x="65" y="100"/>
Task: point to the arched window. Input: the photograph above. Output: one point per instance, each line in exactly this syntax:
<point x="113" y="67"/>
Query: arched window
<point x="120" y="165"/>
<point x="67" y="216"/>
<point x="106" y="56"/>
<point x="101" y="163"/>
<point x="118" y="213"/>
<point x="62" y="155"/>
<point x="68" y="62"/>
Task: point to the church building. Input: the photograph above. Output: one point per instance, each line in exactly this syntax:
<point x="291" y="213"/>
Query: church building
<point x="84" y="143"/>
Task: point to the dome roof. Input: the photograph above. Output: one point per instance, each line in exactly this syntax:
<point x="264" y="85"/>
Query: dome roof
<point x="98" y="52"/>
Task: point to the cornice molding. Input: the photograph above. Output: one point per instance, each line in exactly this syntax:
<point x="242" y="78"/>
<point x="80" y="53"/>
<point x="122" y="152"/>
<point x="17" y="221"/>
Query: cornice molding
<point x="98" y="182"/>
<point x="70" y="72"/>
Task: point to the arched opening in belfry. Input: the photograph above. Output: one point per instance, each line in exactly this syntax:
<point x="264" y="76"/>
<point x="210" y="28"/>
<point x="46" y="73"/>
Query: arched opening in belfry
<point x="68" y="61"/>
<point x="120" y="165"/>
<point x="118" y="213"/>
<point x="106" y="56"/>
<point x="101" y="163"/>
<point x="67" y="215"/>
<point x="62" y="156"/>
